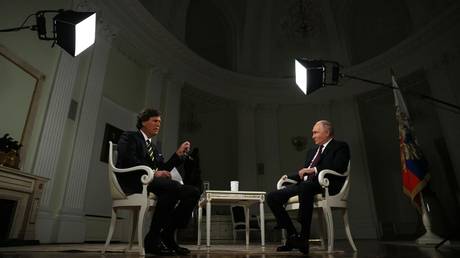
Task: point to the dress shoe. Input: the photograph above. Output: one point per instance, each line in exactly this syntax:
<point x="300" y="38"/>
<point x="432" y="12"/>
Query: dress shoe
<point x="178" y="250"/>
<point x="304" y="248"/>
<point x="299" y="243"/>
<point x="158" y="249"/>
<point x="283" y="248"/>
<point x="171" y="244"/>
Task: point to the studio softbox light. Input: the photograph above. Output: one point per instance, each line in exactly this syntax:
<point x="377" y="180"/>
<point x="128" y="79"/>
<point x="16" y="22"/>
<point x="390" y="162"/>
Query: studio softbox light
<point x="75" y="31"/>
<point x="309" y="74"/>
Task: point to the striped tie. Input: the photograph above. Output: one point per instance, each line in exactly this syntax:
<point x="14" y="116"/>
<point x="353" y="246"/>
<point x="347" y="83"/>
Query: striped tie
<point x="150" y="150"/>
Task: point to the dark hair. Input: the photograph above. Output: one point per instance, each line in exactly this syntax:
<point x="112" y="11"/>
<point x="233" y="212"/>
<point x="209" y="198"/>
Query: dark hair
<point x="145" y="115"/>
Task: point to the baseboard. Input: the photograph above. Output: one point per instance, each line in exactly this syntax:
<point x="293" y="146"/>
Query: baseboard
<point x="71" y="228"/>
<point x="97" y="228"/>
<point x="45" y="227"/>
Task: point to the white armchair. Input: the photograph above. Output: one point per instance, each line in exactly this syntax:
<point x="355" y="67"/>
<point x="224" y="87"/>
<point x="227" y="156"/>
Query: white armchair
<point x="326" y="203"/>
<point x="139" y="203"/>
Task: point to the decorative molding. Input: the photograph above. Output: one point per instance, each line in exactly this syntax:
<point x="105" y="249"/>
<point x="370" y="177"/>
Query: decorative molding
<point x="85" y="5"/>
<point x="106" y="31"/>
<point x="146" y="40"/>
<point x="33" y="105"/>
<point x="300" y="21"/>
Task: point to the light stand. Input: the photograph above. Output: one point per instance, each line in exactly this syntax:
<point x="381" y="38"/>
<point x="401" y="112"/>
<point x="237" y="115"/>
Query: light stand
<point x="311" y="75"/>
<point x="72" y="31"/>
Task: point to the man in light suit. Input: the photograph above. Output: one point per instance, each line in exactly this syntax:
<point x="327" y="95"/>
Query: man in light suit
<point x="328" y="154"/>
<point x="175" y="202"/>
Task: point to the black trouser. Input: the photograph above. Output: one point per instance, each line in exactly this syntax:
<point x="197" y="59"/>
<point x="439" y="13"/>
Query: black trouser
<point x="174" y="207"/>
<point x="306" y="190"/>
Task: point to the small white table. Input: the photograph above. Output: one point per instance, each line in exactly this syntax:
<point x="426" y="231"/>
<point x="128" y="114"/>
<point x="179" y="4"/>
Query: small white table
<point x="241" y="198"/>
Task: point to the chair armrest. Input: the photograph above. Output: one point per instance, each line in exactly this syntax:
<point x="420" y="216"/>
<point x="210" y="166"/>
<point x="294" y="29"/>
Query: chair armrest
<point x="284" y="179"/>
<point x="323" y="181"/>
<point x="145" y="179"/>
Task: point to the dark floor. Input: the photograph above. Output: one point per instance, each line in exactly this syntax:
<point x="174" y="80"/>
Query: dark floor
<point x="366" y="248"/>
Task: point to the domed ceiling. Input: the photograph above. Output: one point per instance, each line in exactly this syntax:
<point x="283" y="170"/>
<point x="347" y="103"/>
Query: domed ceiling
<point x="262" y="37"/>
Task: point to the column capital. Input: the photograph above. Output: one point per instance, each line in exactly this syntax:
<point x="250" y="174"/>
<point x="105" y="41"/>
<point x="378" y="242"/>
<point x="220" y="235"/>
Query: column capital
<point x="157" y="70"/>
<point x="103" y="28"/>
<point x="174" y="82"/>
<point x="246" y="106"/>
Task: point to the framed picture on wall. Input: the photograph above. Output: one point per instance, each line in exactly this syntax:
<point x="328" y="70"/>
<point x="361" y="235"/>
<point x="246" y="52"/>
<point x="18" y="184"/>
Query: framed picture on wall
<point x="111" y="133"/>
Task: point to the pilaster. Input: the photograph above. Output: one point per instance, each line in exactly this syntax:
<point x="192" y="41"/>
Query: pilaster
<point x="71" y="222"/>
<point x="51" y="139"/>
<point x="169" y="136"/>
<point x="247" y="172"/>
<point x="268" y="156"/>
<point x="155" y="88"/>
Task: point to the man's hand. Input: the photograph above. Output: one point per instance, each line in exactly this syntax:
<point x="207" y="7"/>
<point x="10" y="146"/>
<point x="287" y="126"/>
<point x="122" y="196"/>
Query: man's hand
<point x="306" y="171"/>
<point x="183" y="148"/>
<point x="162" y="173"/>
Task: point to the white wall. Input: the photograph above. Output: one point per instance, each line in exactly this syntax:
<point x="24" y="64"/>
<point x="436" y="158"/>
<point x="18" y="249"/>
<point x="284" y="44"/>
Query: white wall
<point x="125" y="82"/>
<point x="98" y="200"/>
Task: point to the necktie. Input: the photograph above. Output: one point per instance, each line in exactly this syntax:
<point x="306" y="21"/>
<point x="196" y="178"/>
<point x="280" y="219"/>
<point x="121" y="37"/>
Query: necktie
<point x="150" y="150"/>
<point x="315" y="161"/>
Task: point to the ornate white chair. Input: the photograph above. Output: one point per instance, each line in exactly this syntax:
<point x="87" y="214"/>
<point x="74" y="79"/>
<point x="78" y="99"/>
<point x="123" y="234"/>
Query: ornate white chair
<point x="139" y="203"/>
<point x="326" y="203"/>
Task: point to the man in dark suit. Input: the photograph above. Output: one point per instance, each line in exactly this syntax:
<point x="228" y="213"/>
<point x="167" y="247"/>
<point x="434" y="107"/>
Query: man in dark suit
<point x="175" y="202"/>
<point x="329" y="154"/>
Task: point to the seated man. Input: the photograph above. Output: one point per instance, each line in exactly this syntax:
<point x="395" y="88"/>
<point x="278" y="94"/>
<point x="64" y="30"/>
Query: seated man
<point x="175" y="202"/>
<point x="330" y="154"/>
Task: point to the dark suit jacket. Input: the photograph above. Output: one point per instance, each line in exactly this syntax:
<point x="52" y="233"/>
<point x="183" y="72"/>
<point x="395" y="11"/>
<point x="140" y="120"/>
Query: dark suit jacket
<point x="132" y="151"/>
<point x="335" y="156"/>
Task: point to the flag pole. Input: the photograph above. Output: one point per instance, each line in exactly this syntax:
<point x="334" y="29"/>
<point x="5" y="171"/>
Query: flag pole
<point x="429" y="238"/>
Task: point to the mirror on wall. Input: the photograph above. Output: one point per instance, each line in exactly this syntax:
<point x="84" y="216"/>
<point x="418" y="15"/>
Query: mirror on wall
<point x="20" y="86"/>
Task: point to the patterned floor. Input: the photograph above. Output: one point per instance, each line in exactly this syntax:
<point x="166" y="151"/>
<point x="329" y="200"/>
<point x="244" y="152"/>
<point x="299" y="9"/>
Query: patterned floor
<point x="366" y="248"/>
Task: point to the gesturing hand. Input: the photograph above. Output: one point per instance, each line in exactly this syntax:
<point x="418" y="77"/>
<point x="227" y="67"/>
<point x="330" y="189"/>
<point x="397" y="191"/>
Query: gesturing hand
<point x="183" y="148"/>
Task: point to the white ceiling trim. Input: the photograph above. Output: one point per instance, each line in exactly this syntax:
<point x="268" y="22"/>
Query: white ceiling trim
<point x="146" y="40"/>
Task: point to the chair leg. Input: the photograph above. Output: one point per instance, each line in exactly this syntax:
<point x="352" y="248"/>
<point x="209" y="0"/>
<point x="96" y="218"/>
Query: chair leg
<point x="330" y="229"/>
<point x="283" y="236"/>
<point x="323" y="228"/>
<point x="140" y="229"/>
<point x="348" y="231"/>
<point x="200" y="217"/>
<point x="234" y="235"/>
<point x="133" y="222"/>
<point x="113" y="221"/>
<point x="246" y="215"/>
